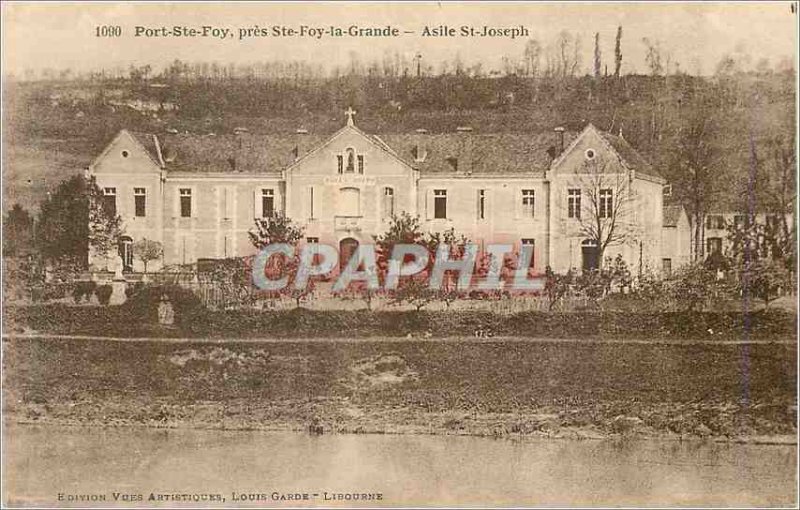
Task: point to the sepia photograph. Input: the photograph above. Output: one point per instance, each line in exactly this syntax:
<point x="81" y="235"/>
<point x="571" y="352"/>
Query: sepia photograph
<point x="399" y="254"/>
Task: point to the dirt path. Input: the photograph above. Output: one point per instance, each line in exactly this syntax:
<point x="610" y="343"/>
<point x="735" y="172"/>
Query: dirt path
<point x="379" y="339"/>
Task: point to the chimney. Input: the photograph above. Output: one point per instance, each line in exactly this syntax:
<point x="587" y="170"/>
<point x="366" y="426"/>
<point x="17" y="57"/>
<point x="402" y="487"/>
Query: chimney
<point x="420" y="147"/>
<point x="465" y="148"/>
<point x="560" y="132"/>
<point x="300" y="142"/>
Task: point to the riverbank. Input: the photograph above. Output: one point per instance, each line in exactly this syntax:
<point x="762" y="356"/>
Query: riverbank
<point x="736" y="392"/>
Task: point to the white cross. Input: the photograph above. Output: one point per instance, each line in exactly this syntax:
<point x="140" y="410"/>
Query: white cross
<point x="350" y="112"/>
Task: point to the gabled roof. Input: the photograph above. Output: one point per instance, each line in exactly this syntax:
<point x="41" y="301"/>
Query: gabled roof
<point x="633" y="159"/>
<point x="446" y="153"/>
<point x="149" y="144"/>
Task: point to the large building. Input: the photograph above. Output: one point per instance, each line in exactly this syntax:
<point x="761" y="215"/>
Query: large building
<point x="199" y="194"/>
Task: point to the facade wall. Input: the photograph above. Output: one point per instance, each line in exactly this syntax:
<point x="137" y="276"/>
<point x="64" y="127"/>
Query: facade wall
<point x="334" y="206"/>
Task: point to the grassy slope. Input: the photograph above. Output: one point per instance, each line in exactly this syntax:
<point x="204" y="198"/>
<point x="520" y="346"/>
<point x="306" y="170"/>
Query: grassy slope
<point x="475" y="388"/>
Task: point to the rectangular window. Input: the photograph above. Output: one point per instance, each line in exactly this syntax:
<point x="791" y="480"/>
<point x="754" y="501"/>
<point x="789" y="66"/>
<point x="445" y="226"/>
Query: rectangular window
<point x="606" y="203"/>
<point x="574" y="203"/>
<point x="528" y="244"/>
<point x="267" y="203"/>
<point x="388" y="202"/>
<point x="481" y="204"/>
<point x="713" y="244"/>
<point x="528" y="203"/>
<point x="139" y="202"/>
<point x="110" y="200"/>
<point x="715" y="222"/>
<point x="360" y="164"/>
<point x="312" y="240"/>
<point x="440" y="203"/>
<point x="186" y="202"/>
<point x="311" y="202"/>
<point x="666" y="266"/>
<point x="340" y="161"/>
<point x="741" y="220"/>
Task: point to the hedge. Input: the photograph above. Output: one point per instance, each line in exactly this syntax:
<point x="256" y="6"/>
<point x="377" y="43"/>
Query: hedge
<point x="138" y="317"/>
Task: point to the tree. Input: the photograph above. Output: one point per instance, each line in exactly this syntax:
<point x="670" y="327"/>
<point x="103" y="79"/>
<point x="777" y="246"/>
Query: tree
<point x="533" y="51"/>
<point x="618" y="53"/>
<point x="606" y="216"/>
<point x="147" y="251"/>
<point x="73" y="219"/>
<point x="694" y="172"/>
<point x="406" y="229"/>
<point x="17" y="232"/>
<point x="653" y="57"/>
<point x="597" y="56"/>
<point x="765" y="279"/>
<point x="275" y="229"/>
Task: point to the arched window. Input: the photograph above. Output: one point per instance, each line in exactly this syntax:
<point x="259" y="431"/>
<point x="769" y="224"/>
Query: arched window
<point x="351" y="161"/>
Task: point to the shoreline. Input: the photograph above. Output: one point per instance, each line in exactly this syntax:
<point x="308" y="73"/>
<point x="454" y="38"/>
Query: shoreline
<point x="473" y="387"/>
<point x="571" y="434"/>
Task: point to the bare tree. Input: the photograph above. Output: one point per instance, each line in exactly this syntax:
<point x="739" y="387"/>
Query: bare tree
<point x="618" y="52"/>
<point x="694" y="172"/>
<point x="533" y="51"/>
<point x="606" y="212"/>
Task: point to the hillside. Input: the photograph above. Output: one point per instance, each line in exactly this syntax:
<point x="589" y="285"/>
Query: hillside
<point x="53" y="129"/>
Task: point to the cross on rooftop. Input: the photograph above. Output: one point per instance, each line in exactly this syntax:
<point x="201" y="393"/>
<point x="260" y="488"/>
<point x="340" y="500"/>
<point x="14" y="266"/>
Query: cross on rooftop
<point x="350" y="112"/>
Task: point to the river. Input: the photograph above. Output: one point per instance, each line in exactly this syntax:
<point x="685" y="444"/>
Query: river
<point x="90" y="466"/>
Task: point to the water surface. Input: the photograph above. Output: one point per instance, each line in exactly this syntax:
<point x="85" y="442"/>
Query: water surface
<point x="45" y="461"/>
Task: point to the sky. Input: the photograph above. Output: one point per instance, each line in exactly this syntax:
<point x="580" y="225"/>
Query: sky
<point x="697" y="35"/>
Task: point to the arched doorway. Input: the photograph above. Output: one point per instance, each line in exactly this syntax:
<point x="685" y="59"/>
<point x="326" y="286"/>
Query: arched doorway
<point x="126" y="253"/>
<point x="347" y="247"/>
<point x="590" y="255"/>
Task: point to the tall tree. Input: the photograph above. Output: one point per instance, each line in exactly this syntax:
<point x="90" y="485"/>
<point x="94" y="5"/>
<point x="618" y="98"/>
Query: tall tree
<point x="694" y="171"/>
<point x="618" y="52"/>
<point x="597" y="56"/>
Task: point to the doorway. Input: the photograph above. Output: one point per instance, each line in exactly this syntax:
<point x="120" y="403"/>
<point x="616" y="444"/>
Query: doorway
<point x="347" y="247"/>
<point x="590" y="255"/>
<point x="126" y="253"/>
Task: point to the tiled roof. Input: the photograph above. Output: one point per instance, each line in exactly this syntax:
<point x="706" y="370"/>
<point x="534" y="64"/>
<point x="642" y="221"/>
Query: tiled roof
<point x="496" y="153"/>
<point x="147" y="140"/>
<point x="630" y="155"/>
<point x="480" y="153"/>
<point x="244" y="152"/>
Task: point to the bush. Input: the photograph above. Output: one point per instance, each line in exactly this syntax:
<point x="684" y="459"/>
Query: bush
<point x="83" y="289"/>
<point x="131" y="290"/>
<point x="103" y="293"/>
<point x="188" y="308"/>
<point x="136" y="318"/>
